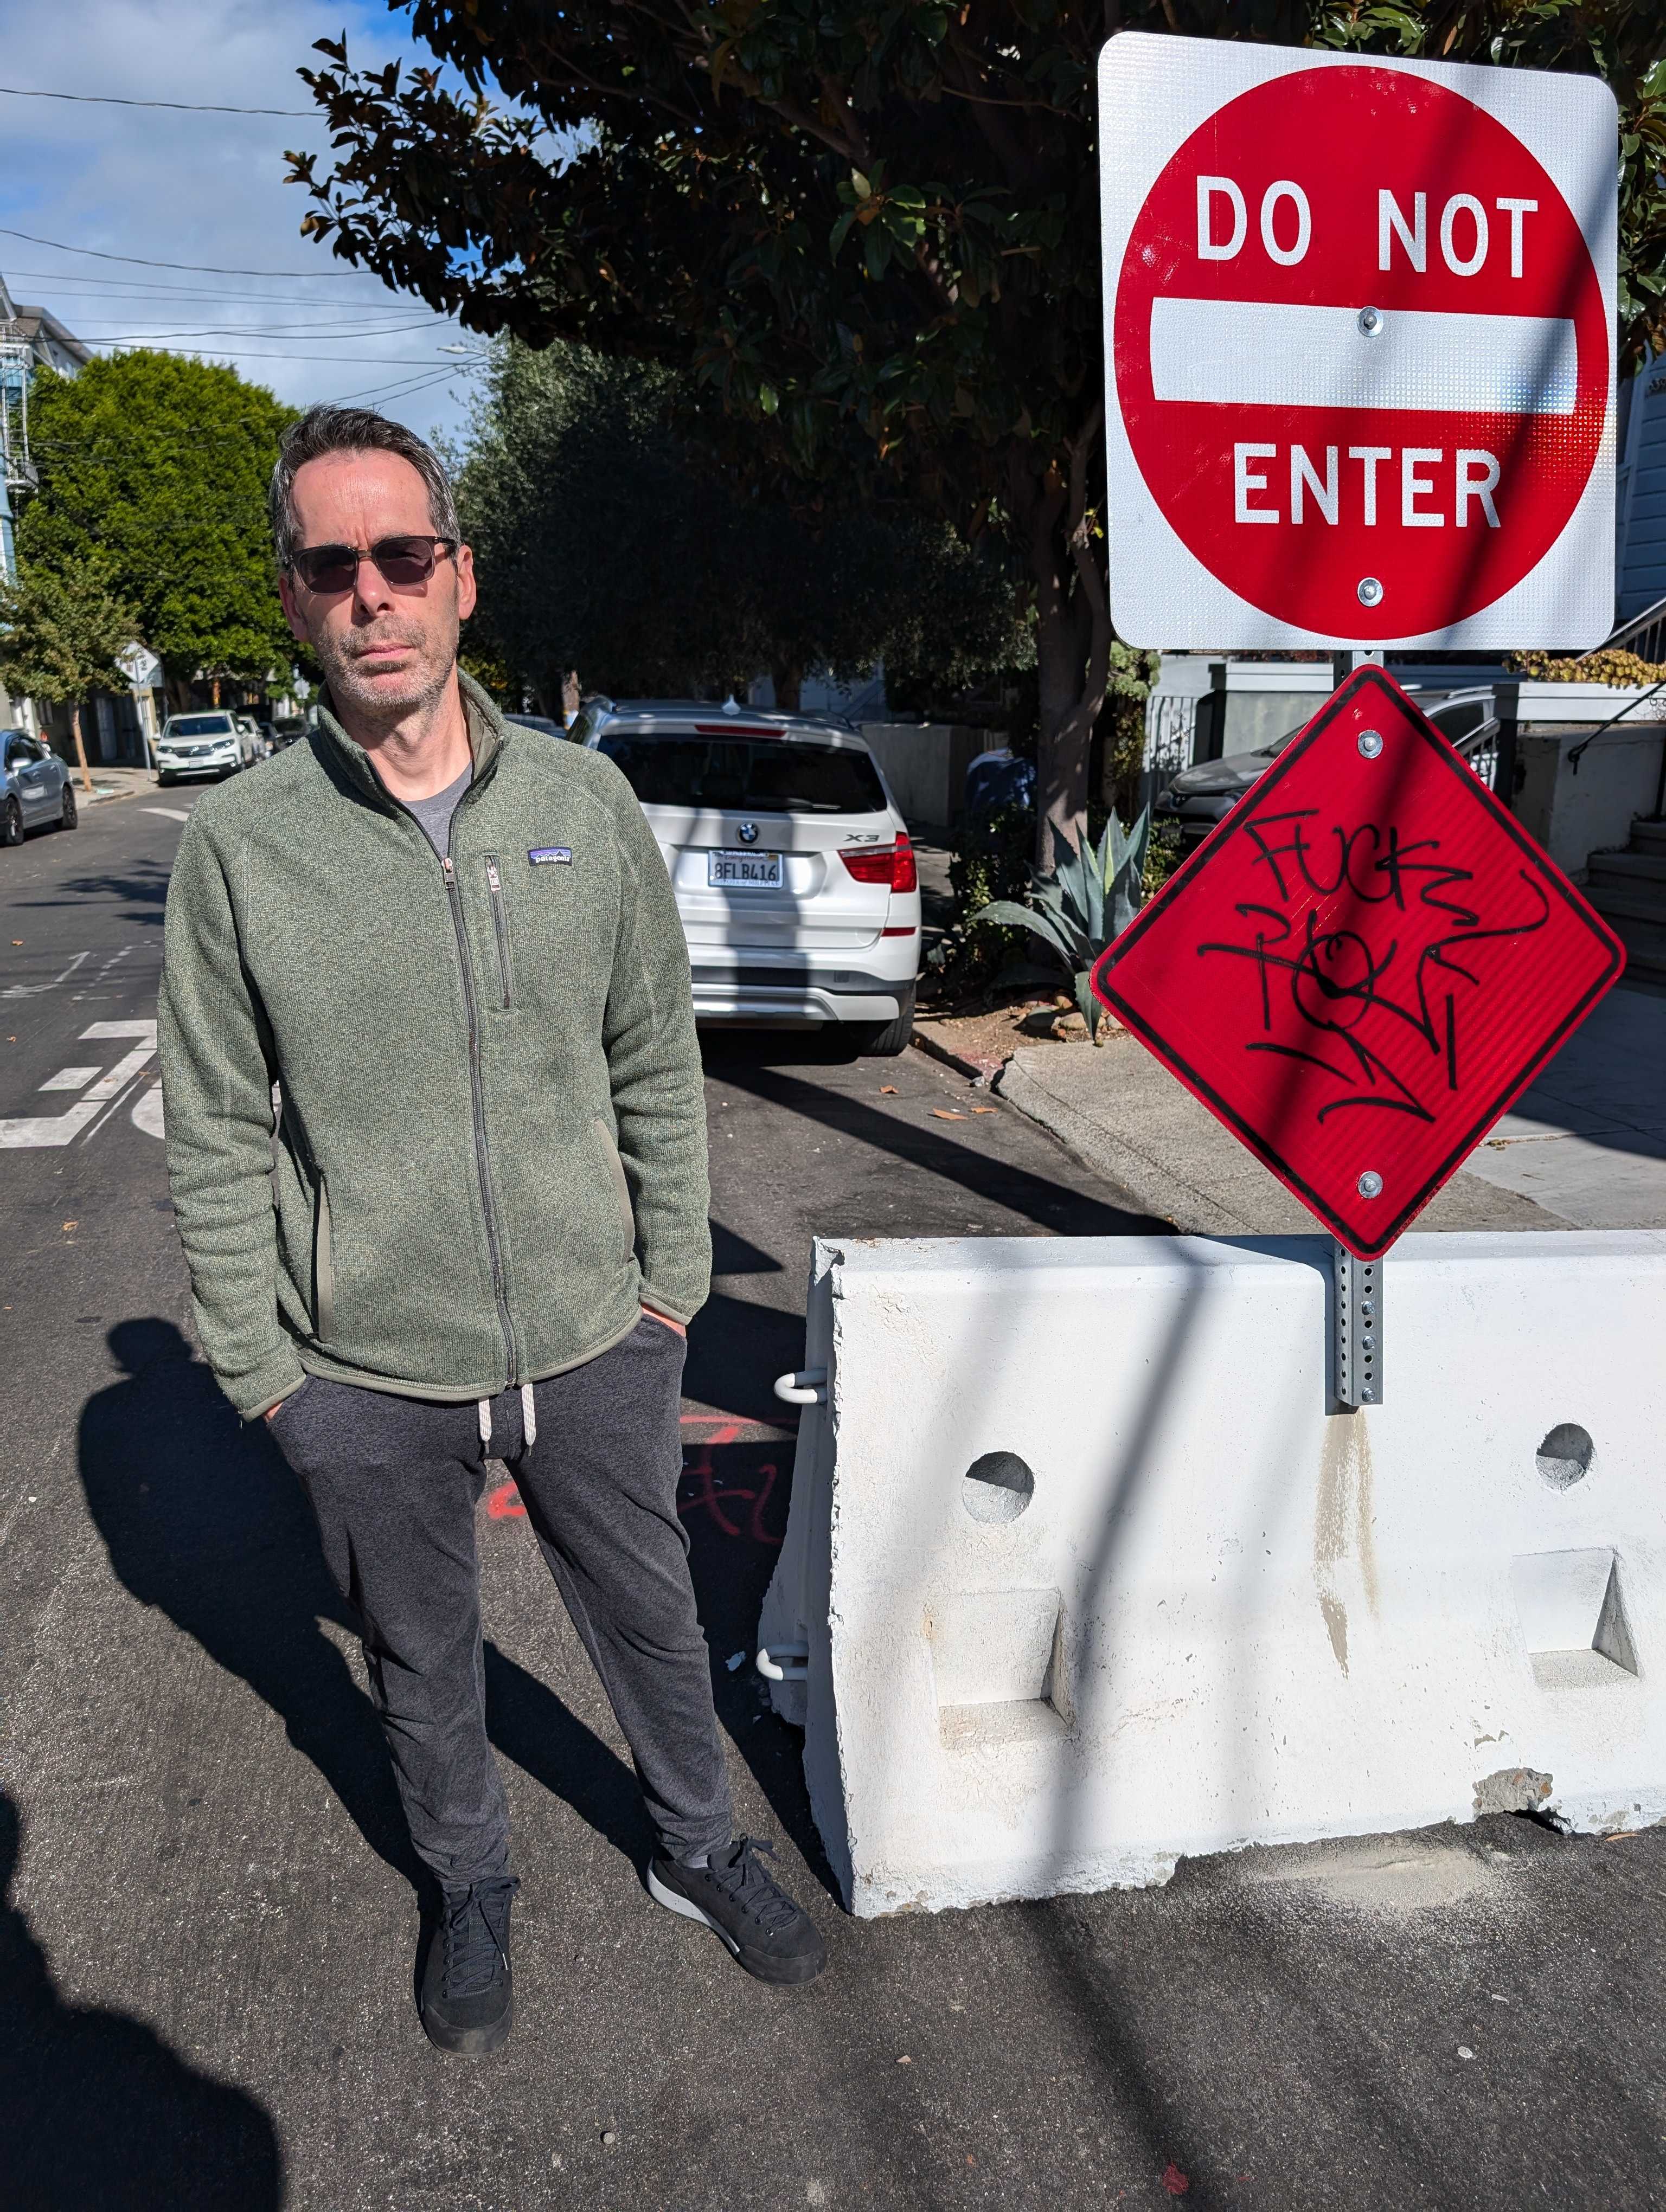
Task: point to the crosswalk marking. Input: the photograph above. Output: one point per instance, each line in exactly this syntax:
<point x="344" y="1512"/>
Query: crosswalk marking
<point x="30" y="1131"/>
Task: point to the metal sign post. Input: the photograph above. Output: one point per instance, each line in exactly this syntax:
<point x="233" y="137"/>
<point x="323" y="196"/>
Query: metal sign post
<point x="1356" y="1329"/>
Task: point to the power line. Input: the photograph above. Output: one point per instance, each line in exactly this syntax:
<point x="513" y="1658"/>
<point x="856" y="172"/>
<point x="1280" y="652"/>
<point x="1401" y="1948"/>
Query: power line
<point x="196" y="268"/>
<point x="370" y="360"/>
<point x="75" y="286"/>
<point x="259" y="329"/>
<point x="182" y="106"/>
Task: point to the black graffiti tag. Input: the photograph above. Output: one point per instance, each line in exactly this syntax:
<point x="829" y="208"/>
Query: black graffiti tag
<point x="1340" y="980"/>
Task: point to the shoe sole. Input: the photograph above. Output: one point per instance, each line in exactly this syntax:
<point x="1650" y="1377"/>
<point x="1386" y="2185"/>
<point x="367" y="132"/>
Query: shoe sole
<point x="471" y="2042"/>
<point x="782" y="1973"/>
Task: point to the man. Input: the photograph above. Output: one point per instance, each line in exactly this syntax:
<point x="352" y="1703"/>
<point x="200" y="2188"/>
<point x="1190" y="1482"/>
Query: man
<point x="452" y="945"/>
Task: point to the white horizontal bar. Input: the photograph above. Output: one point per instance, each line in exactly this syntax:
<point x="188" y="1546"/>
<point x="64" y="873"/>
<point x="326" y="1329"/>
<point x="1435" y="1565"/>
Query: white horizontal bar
<point x="1258" y="353"/>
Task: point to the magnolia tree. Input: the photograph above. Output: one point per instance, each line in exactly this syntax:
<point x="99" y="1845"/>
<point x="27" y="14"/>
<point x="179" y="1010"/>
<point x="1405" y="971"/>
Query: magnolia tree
<point x="870" y="229"/>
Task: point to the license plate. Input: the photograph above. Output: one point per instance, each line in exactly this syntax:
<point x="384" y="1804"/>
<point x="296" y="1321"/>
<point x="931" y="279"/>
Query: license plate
<point x="755" y="871"/>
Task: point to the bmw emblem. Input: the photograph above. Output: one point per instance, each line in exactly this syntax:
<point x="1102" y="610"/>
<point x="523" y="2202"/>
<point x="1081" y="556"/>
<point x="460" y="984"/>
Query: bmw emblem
<point x="747" y="833"/>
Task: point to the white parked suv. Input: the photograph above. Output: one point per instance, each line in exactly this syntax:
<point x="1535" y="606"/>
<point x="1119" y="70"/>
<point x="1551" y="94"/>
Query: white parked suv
<point x="794" y="874"/>
<point x="212" y="742"/>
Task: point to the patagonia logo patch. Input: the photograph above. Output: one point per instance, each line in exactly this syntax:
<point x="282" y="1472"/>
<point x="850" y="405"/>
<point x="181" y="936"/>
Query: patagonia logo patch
<point x="542" y="856"/>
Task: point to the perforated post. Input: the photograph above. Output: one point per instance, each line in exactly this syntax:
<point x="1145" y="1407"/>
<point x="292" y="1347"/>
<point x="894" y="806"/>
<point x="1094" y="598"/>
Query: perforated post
<point x="1356" y="1327"/>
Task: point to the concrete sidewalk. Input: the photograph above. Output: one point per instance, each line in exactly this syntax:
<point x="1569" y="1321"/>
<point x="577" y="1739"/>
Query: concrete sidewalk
<point x="112" y="783"/>
<point x="1586" y="1147"/>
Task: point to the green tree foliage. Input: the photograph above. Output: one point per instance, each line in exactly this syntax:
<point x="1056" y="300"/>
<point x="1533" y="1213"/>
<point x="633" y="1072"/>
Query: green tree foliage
<point x="61" y="629"/>
<point x="606" y="542"/>
<point x="160" y="465"/>
<point x="870" y="226"/>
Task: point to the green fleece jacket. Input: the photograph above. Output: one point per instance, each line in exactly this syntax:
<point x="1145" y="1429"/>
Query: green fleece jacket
<point x="490" y="1137"/>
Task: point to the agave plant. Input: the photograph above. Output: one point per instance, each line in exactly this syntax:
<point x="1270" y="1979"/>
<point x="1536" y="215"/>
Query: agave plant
<point x="1083" y="901"/>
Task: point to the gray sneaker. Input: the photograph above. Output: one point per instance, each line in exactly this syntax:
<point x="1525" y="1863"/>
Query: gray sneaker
<point x="468" y="1991"/>
<point x="772" y="1937"/>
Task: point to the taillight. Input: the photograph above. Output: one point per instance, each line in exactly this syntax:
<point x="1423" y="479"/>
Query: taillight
<point x="891" y="865"/>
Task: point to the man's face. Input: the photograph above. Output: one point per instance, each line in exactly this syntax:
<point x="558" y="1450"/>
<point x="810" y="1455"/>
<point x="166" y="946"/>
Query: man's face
<point x="384" y="652"/>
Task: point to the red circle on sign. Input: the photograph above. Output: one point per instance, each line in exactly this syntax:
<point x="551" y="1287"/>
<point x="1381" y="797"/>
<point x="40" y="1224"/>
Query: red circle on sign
<point x="1480" y="461"/>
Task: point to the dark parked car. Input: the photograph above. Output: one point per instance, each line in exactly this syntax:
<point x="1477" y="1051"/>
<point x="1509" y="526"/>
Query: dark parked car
<point x="35" y="790"/>
<point x="1201" y="797"/>
<point x="537" y="722"/>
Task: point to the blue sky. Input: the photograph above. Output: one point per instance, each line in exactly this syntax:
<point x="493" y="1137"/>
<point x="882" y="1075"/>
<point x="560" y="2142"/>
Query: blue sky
<point x="205" y="189"/>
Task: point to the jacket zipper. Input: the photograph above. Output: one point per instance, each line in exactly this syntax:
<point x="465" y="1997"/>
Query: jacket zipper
<point x="481" y="1163"/>
<point x="501" y="926"/>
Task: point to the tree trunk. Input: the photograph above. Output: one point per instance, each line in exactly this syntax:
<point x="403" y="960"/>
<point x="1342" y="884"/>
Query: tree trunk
<point x="789" y="680"/>
<point x="1073" y="629"/>
<point x="81" y="750"/>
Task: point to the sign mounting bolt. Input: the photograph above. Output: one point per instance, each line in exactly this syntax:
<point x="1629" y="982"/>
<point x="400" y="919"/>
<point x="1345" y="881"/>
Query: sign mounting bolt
<point x="1371" y="743"/>
<point x="1370" y="1184"/>
<point x="1370" y="322"/>
<point x="1368" y="592"/>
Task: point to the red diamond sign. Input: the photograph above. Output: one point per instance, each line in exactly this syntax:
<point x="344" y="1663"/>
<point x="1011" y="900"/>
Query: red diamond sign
<point x="1364" y="965"/>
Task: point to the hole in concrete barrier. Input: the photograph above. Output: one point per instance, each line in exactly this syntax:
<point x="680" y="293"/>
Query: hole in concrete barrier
<point x="1565" y="1456"/>
<point x="997" y="1487"/>
<point x="1574" y="1616"/>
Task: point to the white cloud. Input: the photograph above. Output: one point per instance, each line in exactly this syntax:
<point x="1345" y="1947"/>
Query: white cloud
<point x="206" y="190"/>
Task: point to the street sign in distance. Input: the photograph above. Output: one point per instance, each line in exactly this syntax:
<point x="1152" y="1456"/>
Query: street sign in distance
<point x="1358" y="348"/>
<point x="1363" y="965"/>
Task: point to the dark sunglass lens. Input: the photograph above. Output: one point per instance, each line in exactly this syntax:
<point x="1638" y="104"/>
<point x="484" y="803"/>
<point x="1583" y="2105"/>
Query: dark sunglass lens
<point x="328" y="567"/>
<point x="405" y="560"/>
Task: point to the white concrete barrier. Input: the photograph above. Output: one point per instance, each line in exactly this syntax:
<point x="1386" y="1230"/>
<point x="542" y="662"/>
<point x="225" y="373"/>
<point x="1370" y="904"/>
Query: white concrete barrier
<point x="1081" y="1575"/>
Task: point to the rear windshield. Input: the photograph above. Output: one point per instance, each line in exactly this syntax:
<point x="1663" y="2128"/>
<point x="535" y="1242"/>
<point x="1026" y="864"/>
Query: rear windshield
<point x="199" y="725"/>
<point x="772" y="775"/>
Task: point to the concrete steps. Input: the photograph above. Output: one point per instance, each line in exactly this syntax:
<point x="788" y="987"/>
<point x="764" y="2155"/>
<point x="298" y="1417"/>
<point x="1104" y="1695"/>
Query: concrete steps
<point x="1628" y="890"/>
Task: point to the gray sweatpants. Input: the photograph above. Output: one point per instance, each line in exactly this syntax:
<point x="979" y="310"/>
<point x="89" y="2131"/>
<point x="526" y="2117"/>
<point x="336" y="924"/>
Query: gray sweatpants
<point x="395" y="1482"/>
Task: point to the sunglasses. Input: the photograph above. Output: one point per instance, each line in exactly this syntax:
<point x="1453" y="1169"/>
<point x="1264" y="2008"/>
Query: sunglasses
<point x="404" y="563"/>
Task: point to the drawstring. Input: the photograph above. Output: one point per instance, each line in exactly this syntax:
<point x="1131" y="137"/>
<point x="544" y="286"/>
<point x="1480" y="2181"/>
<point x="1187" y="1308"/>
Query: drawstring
<point x="528" y="1417"/>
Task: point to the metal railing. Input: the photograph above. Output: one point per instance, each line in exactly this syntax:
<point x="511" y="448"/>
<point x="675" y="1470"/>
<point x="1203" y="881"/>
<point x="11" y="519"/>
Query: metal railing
<point x="1645" y="634"/>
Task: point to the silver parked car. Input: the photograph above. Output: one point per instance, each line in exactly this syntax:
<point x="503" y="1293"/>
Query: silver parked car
<point x="35" y="792"/>
<point x="1201" y="798"/>
<point x="794" y="877"/>
<point x="212" y="742"/>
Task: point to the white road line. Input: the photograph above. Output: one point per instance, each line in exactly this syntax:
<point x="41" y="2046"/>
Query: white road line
<point x="33" y="990"/>
<point x="69" y="1079"/>
<point x="1260" y="353"/>
<point x="31" y="1132"/>
<point x="173" y="813"/>
<point x="148" y="1113"/>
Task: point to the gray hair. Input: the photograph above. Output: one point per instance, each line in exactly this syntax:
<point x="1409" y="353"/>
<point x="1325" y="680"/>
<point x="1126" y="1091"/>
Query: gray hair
<point x="352" y="430"/>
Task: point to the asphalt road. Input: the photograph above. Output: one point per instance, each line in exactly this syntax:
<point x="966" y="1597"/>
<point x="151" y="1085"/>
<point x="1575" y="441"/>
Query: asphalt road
<point x="208" y="1920"/>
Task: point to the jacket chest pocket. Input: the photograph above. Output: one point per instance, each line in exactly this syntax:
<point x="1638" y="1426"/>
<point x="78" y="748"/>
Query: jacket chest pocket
<point x="500" y="911"/>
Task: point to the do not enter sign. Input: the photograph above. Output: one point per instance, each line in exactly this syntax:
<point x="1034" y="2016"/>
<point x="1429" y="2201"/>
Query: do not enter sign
<point x="1358" y="349"/>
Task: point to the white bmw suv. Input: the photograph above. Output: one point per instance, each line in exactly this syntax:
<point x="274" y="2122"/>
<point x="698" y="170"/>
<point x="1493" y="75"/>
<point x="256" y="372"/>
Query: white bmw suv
<point x="794" y="874"/>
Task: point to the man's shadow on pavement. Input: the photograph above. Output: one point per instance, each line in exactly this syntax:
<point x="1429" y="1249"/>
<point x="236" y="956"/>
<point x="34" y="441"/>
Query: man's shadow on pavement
<point x="203" y="1519"/>
<point x="96" y="2111"/>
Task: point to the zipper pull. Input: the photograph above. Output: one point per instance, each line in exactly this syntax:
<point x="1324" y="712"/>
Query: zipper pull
<point x="492" y="876"/>
<point x="447" y="869"/>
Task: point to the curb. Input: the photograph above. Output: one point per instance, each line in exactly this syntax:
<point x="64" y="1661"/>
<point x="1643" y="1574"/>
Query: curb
<point x="982" y="1074"/>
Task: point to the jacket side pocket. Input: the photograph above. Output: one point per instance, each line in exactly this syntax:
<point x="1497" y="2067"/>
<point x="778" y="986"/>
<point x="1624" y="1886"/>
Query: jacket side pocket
<point x="621" y="1187"/>
<point x="323" y="1264"/>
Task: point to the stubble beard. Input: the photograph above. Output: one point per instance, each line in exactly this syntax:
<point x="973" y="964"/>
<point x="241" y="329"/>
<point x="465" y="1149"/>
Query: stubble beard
<point x="375" y="705"/>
